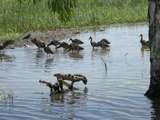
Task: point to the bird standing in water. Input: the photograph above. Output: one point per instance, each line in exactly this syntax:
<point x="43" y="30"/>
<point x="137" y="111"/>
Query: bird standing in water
<point x="48" y="50"/>
<point x="76" y="41"/>
<point x="93" y="44"/>
<point x="144" y="42"/>
<point x="55" y="43"/>
<point x="104" y="43"/>
<point x="40" y="44"/>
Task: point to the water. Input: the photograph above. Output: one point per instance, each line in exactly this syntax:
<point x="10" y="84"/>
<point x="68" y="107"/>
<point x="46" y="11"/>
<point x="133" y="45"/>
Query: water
<point x="112" y="94"/>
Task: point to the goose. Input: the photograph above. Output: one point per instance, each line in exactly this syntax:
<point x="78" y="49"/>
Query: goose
<point x="76" y="41"/>
<point x="144" y="42"/>
<point x="93" y="44"/>
<point x="48" y="50"/>
<point x="53" y="87"/>
<point x="103" y="44"/>
<point x="5" y="44"/>
<point x="38" y="43"/>
<point x="105" y="41"/>
<point x="75" y="47"/>
<point x="63" y="45"/>
<point x="54" y="42"/>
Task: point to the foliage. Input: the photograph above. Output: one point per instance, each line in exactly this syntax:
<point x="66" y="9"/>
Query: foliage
<point x="64" y="8"/>
<point x="30" y="15"/>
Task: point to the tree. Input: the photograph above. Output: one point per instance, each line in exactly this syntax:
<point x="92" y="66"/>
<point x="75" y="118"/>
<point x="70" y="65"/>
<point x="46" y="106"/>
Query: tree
<point x="154" y="37"/>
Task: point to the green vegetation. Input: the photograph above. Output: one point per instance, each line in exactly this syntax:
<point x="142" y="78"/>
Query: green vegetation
<point x="16" y="18"/>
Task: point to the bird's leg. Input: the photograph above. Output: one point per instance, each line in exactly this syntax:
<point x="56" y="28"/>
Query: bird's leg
<point x="51" y="91"/>
<point x="60" y="84"/>
<point x="71" y="86"/>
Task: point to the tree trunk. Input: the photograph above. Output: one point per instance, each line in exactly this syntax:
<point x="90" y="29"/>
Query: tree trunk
<point x="154" y="37"/>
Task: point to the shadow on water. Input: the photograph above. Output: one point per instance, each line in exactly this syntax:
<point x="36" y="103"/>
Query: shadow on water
<point x="155" y="113"/>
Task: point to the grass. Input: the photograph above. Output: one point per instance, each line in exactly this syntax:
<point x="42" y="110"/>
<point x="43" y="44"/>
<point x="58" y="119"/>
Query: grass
<point x="16" y="19"/>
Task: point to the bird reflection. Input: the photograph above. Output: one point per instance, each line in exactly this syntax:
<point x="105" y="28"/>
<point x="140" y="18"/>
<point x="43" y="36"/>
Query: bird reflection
<point x="39" y="53"/>
<point x="104" y="51"/>
<point x="143" y="49"/>
<point x="75" y="55"/>
<point x="70" y="97"/>
<point x="48" y="62"/>
<point x="101" y="52"/>
<point x="57" y="97"/>
<point x="6" y="58"/>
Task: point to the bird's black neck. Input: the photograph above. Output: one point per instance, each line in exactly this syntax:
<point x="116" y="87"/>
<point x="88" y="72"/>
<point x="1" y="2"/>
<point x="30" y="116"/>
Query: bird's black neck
<point x="90" y="39"/>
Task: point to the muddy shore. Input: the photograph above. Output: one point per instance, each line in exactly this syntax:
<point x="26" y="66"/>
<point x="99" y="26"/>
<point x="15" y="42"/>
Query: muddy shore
<point x="46" y="36"/>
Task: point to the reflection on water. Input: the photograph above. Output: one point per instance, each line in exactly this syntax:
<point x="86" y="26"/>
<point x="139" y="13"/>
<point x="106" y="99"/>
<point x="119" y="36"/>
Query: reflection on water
<point x="6" y="58"/>
<point x="114" y="95"/>
<point x="156" y="110"/>
<point x="70" y="97"/>
<point x="76" y="55"/>
<point x="6" y="97"/>
<point x="144" y="49"/>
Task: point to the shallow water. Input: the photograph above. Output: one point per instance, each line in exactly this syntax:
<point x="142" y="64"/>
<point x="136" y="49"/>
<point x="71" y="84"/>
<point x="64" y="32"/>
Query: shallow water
<point x="115" y="93"/>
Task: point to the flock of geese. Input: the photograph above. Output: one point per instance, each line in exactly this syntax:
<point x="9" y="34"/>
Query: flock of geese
<point x="71" y="45"/>
<point x="74" y="45"/>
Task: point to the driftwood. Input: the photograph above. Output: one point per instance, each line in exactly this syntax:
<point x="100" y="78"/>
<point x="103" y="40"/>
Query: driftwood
<point x="73" y="78"/>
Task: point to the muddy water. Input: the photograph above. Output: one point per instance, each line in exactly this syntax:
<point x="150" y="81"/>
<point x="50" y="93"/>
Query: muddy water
<point x="112" y="93"/>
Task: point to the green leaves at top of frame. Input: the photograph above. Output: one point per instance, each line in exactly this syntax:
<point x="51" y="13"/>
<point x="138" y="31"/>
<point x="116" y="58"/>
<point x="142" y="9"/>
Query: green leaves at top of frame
<point x="64" y="8"/>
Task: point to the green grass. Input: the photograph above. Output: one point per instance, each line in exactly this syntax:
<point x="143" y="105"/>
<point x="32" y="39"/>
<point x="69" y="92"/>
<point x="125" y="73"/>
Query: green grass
<point x="16" y="19"/>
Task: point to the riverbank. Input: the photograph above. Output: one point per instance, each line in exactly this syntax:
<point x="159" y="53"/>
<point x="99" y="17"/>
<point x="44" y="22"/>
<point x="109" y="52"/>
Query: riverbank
<point x="18" y="19"/>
